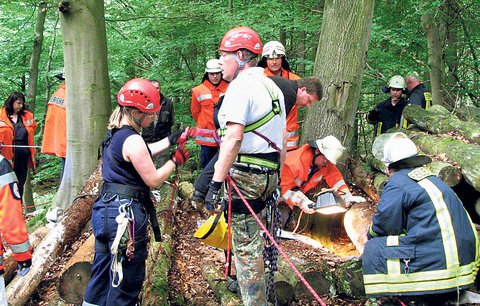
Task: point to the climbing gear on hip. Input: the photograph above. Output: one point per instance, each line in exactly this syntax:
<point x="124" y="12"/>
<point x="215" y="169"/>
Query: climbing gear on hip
<point x="131" y="192"/>
<point x="124" y="242"/>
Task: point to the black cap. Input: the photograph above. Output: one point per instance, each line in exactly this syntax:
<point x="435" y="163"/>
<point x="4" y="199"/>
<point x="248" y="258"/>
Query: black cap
<point x="60" y="76"/>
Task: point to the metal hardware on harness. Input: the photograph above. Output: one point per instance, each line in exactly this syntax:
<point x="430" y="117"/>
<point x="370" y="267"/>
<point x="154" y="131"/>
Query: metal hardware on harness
<point x="124" y="240"/>
<point x="270" y="252"/>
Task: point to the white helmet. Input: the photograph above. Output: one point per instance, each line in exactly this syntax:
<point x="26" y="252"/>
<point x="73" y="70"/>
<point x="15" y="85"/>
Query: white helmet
<point x="213" y="66"/>
<point x="273" y="49"/>
<point x="329" y="146"/>
<point x="392" y="147"/>
<point x="397" y="81"/>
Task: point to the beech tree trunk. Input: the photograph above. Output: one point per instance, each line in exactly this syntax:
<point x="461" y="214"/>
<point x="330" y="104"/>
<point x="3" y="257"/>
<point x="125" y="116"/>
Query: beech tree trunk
<point x="434" y="122"/>
<point x="435" y="62"/>
<point x="86" y="76"/>
<point x="339" y="64"/>
<point x="32" y="88"/>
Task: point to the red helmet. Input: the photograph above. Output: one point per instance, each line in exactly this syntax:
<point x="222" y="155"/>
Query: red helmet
<point x="140" y="93"/>
<point x="241" y="38"/>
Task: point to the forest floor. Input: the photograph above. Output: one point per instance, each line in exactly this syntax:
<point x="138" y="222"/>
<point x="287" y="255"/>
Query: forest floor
<point x="186" y="280"/>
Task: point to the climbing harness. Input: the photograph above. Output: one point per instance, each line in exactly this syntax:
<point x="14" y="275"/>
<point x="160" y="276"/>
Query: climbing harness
<point x="124" y="241"/>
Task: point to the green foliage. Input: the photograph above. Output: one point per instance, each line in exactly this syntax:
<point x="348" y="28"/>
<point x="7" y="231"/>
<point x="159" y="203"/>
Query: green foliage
<point x="171" y="41"/>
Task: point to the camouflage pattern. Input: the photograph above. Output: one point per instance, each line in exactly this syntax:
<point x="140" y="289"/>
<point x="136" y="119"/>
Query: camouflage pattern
<point x="247" y="249"/>
<point x="253" y="185"/>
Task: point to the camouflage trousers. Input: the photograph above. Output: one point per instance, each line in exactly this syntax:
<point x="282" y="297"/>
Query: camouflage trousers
<point x="247" y="249"/>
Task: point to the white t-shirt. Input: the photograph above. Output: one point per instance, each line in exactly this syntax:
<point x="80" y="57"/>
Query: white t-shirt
<point x="247" y="100"/>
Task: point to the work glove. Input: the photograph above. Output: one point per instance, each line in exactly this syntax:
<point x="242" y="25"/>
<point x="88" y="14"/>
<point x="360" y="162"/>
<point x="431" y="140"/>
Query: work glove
<point x="301" y="200"/>
<point x="350" y="199"/>
<point x="179" y="137"/>
<point x="212" y="198"/>
<point x="180" y="156"/>
<point x="24" y="267"/>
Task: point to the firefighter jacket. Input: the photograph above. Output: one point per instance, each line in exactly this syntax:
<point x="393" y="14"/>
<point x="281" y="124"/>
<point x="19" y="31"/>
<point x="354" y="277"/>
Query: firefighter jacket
<point x="420" y="96"/>
<point x="54" y="140"/>
<point x="386" y="116"/>
<point x="7" y="134"/>
<point x="12" y="225"/>
<point x="423" y="239"/>
<point x="298" y="173"/>
<point x="204" y="97"/>
<point x="285" y="74"/>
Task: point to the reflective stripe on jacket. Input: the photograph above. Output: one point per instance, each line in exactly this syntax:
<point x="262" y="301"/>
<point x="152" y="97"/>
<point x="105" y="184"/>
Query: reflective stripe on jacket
<point x="296" y="171"/>
<point x="12" y="224"/>
<point x="423" y="239"/>
<point x="54" y="140"/>
<point x="204" y="98"/>
<point x="7" y="134"/>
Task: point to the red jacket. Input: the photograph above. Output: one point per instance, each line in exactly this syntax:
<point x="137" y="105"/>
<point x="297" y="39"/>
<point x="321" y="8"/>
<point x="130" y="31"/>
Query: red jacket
<point x="204" y="98"/>
<point x="54" y="140"/>
<point x="7" y="134"/>
<point x="296" y="170"/>
<point x="293" y="127"/>
<point x="12" y="225"/>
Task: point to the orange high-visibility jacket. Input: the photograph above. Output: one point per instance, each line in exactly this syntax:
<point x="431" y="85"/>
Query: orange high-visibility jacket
<point x="7" y="134"/>
<point x="296" y="170"/>
<point x="12" y="225"/>
<point x="204" y="98"/>
<point x="54" y="139"/>
<point x="293" y="127"/>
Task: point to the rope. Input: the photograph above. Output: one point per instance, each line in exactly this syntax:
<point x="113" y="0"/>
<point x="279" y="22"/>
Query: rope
<point x="174" y="186"/>
<point x="280" y="250"/>
<point x="229" y="233"/>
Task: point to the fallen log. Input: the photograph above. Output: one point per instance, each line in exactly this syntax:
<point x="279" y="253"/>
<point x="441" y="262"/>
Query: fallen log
<point x="155" y="288"/>
<point x="65" y="232"/>
<point x="216" y="281"/>
<point x="75" y="275"/>
<point x="376" y="164"/>
<point x="441" y="124"/>
<point x="357" y="221"/>
<point x="8" y="260"/>
<point x="379" y="181"/>
<point x="467" y="156"/>
<point x="446" y="172"/>
<point x="363" y="180"/>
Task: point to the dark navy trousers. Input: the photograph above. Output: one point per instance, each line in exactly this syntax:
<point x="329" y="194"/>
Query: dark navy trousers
<point x="100" y="290"/>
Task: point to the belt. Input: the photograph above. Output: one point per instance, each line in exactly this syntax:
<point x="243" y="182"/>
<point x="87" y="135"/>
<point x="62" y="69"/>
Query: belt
<point x="258" y="161"/>
<point x="126" y="191"/>
<point x="253" y="169"/>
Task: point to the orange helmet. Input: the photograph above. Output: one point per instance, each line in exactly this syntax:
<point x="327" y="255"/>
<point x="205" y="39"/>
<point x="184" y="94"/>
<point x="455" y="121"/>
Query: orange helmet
<point x="241" y="38"/>
<point x="140" y="93"/>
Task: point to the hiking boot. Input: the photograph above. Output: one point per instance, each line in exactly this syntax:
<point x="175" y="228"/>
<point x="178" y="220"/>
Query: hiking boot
<point x="198" y="199"/>
<point x="232" y="285"/>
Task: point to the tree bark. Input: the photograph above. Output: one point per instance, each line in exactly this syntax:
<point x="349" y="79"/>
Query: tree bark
<point x="446" y="172"/>
<point x="435" y="62"/>
<point x="212" y="274"/>
<point x="59" y="238"/>
<point x="339" y="64"/>
<point x="363" y="180"/>
<point x="467" y="156"/>
<point x="86" y="75"/>
<point x="440" y="124"/>
<point x="32" y="88"/>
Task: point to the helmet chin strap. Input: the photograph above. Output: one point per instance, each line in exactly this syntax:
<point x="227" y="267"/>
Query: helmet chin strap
<point x="240" y="65"/>
<point x="138" y="122"/>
